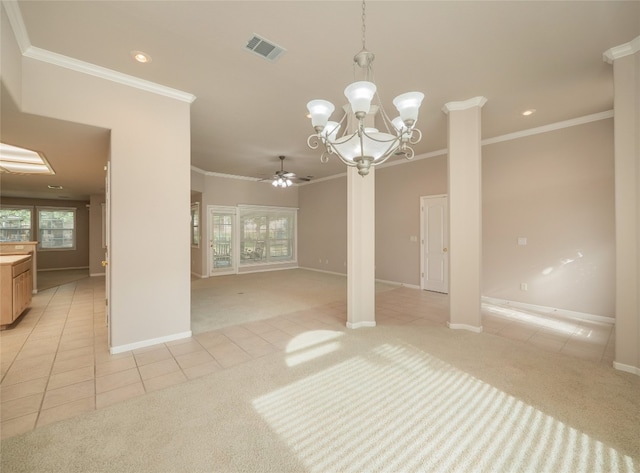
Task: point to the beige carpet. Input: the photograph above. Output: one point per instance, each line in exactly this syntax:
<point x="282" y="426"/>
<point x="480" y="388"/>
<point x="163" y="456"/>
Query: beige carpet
<point x="392" y="399"/>
<point x="222" y="301"/>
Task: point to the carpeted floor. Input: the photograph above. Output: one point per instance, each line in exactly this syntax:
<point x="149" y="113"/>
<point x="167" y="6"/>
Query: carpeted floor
<point x="222" y="301"/>
<point x="392" y="399"/>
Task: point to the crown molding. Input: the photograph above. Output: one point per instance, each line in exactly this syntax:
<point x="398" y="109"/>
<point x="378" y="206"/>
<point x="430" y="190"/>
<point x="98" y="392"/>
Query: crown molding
<point x="226" y="176"/>
<point x="465" y="104"/>
<point x="22" y="37"/>
<point x="622" y="50"/>
<point x="67" y="62"/>
<point x="17" y="24"/>
<point x="551" y="127"/>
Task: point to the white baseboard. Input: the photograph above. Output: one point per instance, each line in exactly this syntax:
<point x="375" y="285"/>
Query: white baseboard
<point x="471" y="328"/>
<point x="399" y="284"/>
<point x="627" y="368"/>
<point x="383" y="281"/>
<point x="198" y="275"/>
<point x="148" y="343"/>
<point x="62" y="269"/>
<point x="363" y="324"/>
<point x="265" y="269"/>
<point x="566" y="314"/>
<point x="324" y="271"/>
<point x="94" y="275"/>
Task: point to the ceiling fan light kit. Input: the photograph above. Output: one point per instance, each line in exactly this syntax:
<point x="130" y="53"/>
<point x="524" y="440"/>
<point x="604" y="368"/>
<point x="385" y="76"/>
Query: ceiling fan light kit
<point x="282" y="178"/>
<point x="366" y="146"/>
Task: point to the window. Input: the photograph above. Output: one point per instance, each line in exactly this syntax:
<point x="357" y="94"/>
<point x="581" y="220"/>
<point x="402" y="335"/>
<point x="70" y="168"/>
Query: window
<point x="195" y="224"/>
<point x="267" y="235"/>
<point x="57" y="228"/>
<point x="15" y="224"/>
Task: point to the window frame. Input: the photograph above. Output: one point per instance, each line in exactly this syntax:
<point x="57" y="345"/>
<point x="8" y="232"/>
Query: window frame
<point x="74" y="230"/>
<point x="270" y="214"/>
<point x="196" y="227"/>
<point x="31" y="221"/>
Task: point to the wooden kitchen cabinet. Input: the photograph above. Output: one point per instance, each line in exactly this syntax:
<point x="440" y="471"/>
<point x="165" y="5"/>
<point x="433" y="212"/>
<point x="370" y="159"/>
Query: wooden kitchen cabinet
<point x="16" y="286"/>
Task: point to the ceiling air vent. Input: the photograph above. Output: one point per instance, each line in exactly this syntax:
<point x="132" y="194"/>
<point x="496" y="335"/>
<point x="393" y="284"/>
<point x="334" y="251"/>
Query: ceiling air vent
<point x="264" y="48"/>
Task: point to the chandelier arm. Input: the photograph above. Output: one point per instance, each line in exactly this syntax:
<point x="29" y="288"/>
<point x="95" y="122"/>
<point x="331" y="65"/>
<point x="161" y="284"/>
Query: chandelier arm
<point x="413" y="139"/>
<point x="408" y="153"/>
<point x="324" y="157"/>
<point x="313" y="141"/>
<point x="394" y="138"/>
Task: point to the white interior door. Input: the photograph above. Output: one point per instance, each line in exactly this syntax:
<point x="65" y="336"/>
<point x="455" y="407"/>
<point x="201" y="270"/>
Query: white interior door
<point x="106" y="222"/>
<point x="221" y="236"/>
<point x="434" y="248"/>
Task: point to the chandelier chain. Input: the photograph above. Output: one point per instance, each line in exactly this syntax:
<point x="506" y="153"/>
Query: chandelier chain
<point x="364" y="26"/>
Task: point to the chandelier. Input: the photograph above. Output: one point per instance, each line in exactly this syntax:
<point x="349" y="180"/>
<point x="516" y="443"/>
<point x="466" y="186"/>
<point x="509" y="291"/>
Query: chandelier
<point x="366" y="146"/>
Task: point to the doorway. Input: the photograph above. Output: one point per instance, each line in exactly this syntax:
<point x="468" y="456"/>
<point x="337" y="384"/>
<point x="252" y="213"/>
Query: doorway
<point x="434" y="243"/>
<point x="222" y="249"/>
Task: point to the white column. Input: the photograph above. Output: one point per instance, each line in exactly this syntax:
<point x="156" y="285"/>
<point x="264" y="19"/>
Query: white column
<point x="626" y="78"/>
<point x="465" y="213"/>
<point x="361" y="244"/>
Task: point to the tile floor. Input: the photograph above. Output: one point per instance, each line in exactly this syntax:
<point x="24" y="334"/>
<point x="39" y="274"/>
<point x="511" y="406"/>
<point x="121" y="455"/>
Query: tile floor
<point x="55" y="363"/>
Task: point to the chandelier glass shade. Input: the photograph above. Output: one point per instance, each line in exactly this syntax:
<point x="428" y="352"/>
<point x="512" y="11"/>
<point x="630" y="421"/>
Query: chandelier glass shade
<point x="364" y="146"/>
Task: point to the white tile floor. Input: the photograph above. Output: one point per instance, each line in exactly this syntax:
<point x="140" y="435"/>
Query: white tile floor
<point x="55" y="363"/>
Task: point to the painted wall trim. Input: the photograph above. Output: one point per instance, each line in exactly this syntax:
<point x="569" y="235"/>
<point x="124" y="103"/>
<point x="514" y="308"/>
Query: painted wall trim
<point x="226" y="176"/>
<point x="464" y="104"/>
<point x="551" y="127"/>
<point x="28" y="50"/>
<point x="626" y="368"/>
<point x="563" y="313"/>
<point x="17" y="24"/>
<point x="323" y="271"/>
<point x="622" y="50"/>
<point x="150" y="342"/>
<point x="104" y="73"/>
<point x="396" y="283"/>
<point x="497" y="139"/>
<point x="471" y="328"/>
<point x="363" y="324"/>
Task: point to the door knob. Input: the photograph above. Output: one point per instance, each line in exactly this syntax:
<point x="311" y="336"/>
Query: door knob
<point x="105" y="263"/>
<point x="445" y="250"/>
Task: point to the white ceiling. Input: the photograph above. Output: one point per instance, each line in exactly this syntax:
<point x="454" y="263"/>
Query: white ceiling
<point x="519" y="55"/>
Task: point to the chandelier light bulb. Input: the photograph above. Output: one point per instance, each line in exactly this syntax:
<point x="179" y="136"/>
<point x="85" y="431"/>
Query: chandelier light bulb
<point x="359" y="146"/>
<point x="320" y="111"/>
<point x="360" y="95"/>
<point x="408" y="105"/>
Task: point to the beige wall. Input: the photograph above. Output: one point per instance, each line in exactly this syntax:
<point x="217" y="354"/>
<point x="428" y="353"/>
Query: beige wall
<point x="150" y="144"/>
<point x="398" y="192"/>
<point x="555" y="189"/>
<point x="60" y="259"/>
<point x="626" y="73"/>
<point x="322" y="225"/>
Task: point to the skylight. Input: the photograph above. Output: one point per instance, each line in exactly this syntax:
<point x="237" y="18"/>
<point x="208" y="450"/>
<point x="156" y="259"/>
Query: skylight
<point x="16" y="160"/>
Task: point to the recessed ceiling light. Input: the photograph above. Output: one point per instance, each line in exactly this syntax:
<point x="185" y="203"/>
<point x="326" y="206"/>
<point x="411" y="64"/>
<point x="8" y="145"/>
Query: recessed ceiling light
<point x="140" y="56"/>
<point x="531" y="111"/>
<point x="16" y="160"/>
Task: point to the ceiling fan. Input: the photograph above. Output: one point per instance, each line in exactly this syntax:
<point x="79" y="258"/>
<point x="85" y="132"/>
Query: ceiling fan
<point x="284" y="178"/>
